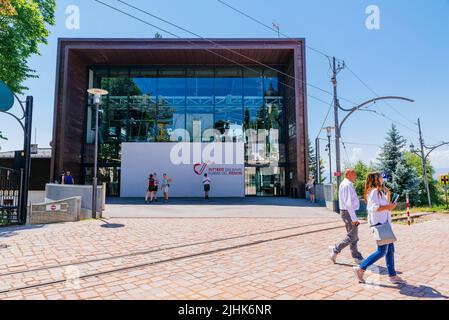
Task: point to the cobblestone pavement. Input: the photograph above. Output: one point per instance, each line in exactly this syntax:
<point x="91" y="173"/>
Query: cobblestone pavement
<point x="214" y="258"/>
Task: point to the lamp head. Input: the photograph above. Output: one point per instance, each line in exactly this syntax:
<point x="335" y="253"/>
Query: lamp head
<point x="97" y="93"/>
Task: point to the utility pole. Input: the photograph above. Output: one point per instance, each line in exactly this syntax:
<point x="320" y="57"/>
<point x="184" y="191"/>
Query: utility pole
<point x="424" y="164"/>
<point x="336" y="68"/>
<point x="424" y="156"/>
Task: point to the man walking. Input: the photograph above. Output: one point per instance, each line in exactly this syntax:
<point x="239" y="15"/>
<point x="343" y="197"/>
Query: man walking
<point x="349" y="203"/>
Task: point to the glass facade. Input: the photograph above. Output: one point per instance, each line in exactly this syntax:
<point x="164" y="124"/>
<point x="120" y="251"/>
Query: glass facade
<point x="196" y="104"/>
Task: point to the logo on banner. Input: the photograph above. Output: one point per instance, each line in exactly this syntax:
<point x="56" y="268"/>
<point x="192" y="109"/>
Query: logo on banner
<point x="199" y="168"/>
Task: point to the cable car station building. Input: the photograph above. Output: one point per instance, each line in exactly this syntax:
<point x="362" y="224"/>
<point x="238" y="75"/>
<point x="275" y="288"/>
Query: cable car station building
<point x="183" y="93"/>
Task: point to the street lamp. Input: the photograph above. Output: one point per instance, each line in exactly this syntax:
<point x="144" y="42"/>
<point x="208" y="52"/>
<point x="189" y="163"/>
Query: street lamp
<point x="328" y="149"/>
<point x="97" y="93"/>
<point x="424" y="156"/>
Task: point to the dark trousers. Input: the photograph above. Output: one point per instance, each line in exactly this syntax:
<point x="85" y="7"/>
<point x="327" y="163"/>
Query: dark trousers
<point x="352" y="236"/>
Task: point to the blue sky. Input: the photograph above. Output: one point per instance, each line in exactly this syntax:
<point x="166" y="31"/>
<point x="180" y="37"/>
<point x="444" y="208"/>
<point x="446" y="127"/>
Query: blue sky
<point x="408" y="56"/>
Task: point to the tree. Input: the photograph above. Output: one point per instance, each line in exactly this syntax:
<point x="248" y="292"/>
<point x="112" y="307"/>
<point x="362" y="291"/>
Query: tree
<point x="391" y="151"/>
<point x="406" y="181"/>
<point x="23" y="27"/>
<point x="362" y="169"/>
<point x="402" y="178"/>
<point x="435" y="191"/>
<point x="312" y="164"/>
<point x="157" y="35"/>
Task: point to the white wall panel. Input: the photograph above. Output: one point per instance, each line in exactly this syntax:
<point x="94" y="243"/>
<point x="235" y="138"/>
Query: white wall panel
<point x="186" y="164"/>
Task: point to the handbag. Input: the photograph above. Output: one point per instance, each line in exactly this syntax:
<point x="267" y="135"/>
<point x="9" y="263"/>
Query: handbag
<point x="383" y="234"/>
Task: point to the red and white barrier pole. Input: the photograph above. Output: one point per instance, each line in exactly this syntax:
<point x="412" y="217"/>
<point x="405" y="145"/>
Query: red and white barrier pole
<point x="408" y="210"/>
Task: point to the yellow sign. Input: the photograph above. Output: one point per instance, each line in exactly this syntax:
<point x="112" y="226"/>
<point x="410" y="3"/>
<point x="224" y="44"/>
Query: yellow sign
<point x="444" y="179"/>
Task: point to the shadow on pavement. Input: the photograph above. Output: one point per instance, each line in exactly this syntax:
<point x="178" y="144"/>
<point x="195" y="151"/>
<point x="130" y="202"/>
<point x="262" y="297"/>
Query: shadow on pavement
<point x="111" y="225"/>
<point x="6" y="232"/>
<point x="410" y="290"/>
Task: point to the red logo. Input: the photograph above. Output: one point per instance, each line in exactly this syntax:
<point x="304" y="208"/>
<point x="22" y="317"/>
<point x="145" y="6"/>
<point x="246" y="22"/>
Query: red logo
<point x="199" y="168"/>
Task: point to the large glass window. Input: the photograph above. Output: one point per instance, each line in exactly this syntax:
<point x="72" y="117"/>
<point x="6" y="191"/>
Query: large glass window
<point x="142" y="105"/>
<point x="200" y="104"/>
<point x="229" y="104"/>
<point x="114" y="116"/>
<point x="171" y="106"/>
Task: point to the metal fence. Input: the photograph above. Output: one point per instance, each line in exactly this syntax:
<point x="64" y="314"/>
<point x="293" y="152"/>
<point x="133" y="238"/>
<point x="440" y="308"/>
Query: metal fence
<point x="10" y="186"/>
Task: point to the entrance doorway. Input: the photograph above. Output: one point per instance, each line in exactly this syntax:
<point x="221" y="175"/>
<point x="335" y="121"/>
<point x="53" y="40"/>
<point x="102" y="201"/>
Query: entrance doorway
<point x="262" y="181"/>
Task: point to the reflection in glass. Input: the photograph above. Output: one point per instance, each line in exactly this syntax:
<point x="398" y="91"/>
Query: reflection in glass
<point x="142" y="105"/>
<point x="152" y="104"/>
<point x="171" y="103"/>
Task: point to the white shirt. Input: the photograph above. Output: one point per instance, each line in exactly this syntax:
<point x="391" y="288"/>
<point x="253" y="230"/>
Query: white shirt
<point x="206" y="180"/>
<point x="348" y="198"/>
<point x="376" y="200"/>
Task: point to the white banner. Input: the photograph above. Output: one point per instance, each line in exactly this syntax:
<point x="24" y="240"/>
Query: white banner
<point x="185" y="163"/>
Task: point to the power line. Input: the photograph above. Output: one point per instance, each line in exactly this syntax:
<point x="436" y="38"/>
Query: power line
<point x="381" y="114"/>
<point x="362" y="144"/>
<point x="286" y="36"/>
<point x="224" y="47"/>
<point x="386" y="102"/>
<point x="328" y="57"/>
<point x="208" y="50"/>
<point x="377" y="95"/>
<point x="325" y="119"/>
<point x="270" y="27"/>
<point x="346" y="152"/>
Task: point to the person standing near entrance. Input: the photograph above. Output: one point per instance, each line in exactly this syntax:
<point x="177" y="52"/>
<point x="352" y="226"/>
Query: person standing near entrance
<point x="67" y="178"/>
<point x="60" y="178"/>
<point x="151" y="186"/>
<point x="349" y="204"/>
<point x="156" y="189"/>
<point x="206" y="184"/>
<point x="166" y="181"/>
<point x="310" y="186"/>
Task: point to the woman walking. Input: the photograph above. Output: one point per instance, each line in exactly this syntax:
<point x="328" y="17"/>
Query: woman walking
<point x="151" y="188"/>
<point x="310" y="186"/>
<point x="166" y="181"/>
<point x="378" y="197"/>
<point x="206" y="184"/>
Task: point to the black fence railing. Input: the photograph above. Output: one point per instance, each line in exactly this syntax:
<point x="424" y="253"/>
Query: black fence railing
<point x="10" y="186"/>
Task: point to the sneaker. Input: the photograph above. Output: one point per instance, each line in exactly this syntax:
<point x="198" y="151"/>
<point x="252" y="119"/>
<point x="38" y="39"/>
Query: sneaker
<point x="359" y="274"/>
<point x="332" y="254"/>
<point x="396" y="280"/>
<point x="358" y="261"/>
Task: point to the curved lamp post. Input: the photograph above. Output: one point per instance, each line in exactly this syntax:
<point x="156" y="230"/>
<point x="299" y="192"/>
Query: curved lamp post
<point x="350" y="112"/>
<point x="97" y="93"/>
<point x="424" y="156"/>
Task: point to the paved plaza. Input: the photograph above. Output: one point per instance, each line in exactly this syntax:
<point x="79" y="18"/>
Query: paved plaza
<point x="243" y="249"/>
